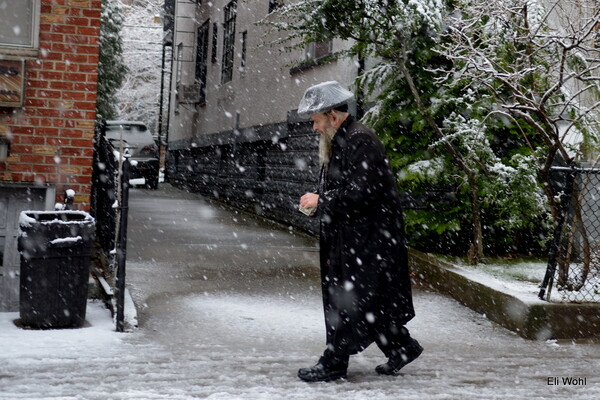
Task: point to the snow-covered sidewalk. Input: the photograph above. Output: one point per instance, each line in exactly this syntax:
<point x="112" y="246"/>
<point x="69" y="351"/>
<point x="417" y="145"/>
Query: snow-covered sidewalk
<point x="235" y="346"/>
<point x="230" y="309"/>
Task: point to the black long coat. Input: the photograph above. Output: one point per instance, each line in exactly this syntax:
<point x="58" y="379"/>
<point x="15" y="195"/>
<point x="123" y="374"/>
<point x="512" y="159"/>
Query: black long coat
<point x="364" y="264"/>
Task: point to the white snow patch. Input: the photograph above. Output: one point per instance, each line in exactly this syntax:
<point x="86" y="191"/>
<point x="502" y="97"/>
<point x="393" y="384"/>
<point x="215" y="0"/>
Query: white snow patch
<point x="66" y="240"/>
<point x="29" y="345"/>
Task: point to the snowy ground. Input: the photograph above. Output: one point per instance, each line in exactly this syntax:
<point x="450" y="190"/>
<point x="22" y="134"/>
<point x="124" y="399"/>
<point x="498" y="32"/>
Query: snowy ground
<point x="214" y="324"/>
<point x="249" y="347"/>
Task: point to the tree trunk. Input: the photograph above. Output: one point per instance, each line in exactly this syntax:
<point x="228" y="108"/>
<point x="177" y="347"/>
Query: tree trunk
<point x="475" y="253"/>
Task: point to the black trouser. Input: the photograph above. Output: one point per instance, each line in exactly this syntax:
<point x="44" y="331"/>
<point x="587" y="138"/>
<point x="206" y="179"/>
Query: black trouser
<point x="394" y="339"/>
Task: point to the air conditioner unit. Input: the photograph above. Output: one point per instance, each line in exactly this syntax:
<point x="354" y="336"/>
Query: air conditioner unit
<point x="189" y="93"/>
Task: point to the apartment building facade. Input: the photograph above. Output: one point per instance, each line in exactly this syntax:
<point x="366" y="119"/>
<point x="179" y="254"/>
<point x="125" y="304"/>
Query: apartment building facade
<point x="233" y="131"/>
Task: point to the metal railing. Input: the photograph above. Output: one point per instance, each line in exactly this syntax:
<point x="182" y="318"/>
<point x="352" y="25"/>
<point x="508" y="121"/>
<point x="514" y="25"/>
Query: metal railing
<point x="574" y="258"/>
<point x="110" y="198"/>
<point x="104" y="189"/>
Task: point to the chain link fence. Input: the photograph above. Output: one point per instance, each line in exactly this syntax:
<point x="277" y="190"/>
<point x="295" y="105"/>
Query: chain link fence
<point x="573" y="273"/>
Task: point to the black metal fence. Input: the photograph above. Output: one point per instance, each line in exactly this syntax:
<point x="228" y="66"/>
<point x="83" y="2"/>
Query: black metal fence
<point x="104" y="189"/>
<point x="573" y="273"/>
<point x="110" y="197"/>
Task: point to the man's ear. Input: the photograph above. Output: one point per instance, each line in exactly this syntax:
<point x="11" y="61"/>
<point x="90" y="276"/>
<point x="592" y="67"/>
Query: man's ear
<point x="335" y="116"/>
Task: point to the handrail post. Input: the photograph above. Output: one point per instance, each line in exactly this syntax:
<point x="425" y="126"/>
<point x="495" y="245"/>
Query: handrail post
<point x="122" y="246"/>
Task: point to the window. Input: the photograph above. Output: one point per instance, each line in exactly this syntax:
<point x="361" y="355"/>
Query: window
<point x="215" y="41"/>
<point x="315" y="51"/>
<point x="202" y="60"/>
<point x="169" y="19"/>
<point x="274" y="4"/>
<point x="316" y="54"/>
<point x="179" y="63"/>
<point x="21" y="35"/>
<point x="243" y="55"/>
<point x="179" y="73"/>
<point x="2" y="244"/>
<point x="228" y="41"/>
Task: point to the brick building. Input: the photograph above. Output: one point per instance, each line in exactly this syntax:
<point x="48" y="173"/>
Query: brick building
<point x="48" y="81"/>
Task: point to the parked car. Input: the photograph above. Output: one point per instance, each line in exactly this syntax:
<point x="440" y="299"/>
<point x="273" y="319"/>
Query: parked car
<point x="142" y="147"/>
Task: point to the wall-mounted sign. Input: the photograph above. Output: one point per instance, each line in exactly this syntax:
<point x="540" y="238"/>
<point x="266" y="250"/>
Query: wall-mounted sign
<point x="12" y="83"/>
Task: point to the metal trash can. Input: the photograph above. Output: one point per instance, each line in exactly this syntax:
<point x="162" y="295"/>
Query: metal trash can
<point x="56" y="249"/>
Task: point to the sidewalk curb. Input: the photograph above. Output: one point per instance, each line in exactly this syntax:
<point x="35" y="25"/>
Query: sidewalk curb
<point x="538" y="321"/>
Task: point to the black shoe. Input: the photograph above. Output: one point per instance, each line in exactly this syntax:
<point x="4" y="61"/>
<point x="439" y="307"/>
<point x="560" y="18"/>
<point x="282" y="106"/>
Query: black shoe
<point x="329" y="368"/>
<point x="400" y="358"/>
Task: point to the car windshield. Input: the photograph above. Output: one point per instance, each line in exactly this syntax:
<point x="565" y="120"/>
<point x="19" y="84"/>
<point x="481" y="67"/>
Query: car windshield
<point x="130" y="133"/>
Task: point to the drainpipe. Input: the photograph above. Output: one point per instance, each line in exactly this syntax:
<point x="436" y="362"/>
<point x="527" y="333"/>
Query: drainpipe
<point x="160" y="106"/>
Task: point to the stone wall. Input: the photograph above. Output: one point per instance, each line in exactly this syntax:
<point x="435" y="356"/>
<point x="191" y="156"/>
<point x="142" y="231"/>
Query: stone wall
<point x="263" y="169"/>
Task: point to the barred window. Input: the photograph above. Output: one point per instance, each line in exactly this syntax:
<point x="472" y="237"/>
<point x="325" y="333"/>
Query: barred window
<point x="202" y="59"/>
<point x="228" y="41"/>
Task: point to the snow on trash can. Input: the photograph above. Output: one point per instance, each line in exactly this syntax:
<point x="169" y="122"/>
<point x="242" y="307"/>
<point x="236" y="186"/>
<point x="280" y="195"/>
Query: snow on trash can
<point x="55" y="249"/>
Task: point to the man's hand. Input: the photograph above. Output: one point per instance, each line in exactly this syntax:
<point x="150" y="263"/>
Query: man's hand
<point x="309" y="203"/>
<point x="309" y="200"/>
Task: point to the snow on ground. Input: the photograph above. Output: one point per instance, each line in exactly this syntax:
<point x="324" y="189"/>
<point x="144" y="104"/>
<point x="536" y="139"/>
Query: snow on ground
<point x="229" y="310"/>
<point x="494" y="276"/>
<point x="523" y="280"/>
<point x="17" y="343"/>
<point x="237" y="346"/>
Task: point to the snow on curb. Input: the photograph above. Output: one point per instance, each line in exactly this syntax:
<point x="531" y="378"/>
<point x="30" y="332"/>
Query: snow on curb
<point x="513" y="306"/>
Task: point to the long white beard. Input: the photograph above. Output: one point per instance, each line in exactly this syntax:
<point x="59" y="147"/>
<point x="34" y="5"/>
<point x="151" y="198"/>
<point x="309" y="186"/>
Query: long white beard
<point x="325" y="146"/>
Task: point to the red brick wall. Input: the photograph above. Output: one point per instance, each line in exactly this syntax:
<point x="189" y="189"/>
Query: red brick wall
<point x="52" y="134"/>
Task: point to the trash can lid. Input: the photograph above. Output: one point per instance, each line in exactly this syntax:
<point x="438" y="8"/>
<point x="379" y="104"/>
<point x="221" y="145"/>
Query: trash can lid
<point x="70" y="217"/>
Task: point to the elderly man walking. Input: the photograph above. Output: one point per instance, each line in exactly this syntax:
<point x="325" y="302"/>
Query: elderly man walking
<point x="363" y="254"/>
